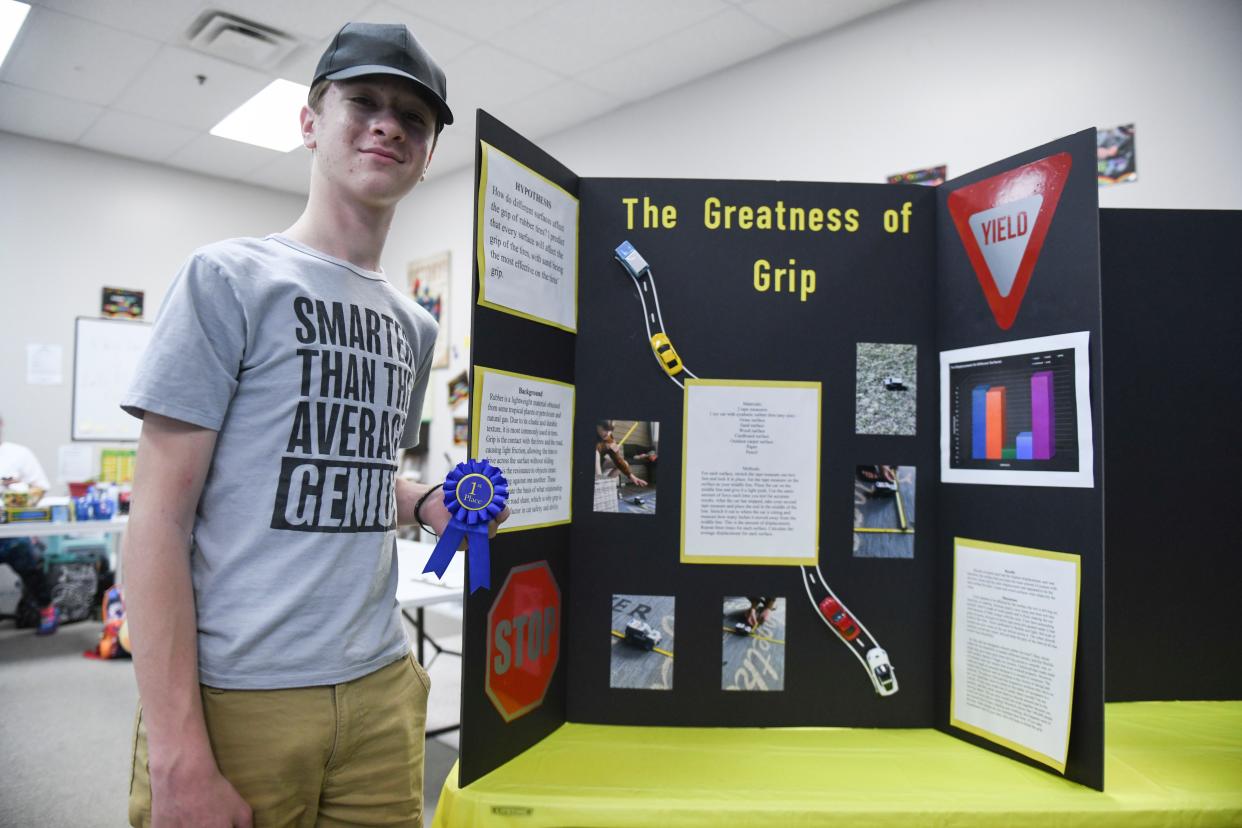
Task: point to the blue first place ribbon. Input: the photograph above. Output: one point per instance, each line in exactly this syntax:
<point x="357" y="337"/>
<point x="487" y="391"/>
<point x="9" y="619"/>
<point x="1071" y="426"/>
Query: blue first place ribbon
<point x="474" y="493"/>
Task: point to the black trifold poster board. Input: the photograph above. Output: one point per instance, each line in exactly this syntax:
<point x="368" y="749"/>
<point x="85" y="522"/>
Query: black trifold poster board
<point x="849" y="302"/>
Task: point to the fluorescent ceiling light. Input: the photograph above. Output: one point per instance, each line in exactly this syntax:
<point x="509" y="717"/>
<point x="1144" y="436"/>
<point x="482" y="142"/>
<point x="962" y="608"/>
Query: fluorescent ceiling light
<point x="269" y="119"/>
<point x="12" y="15"/>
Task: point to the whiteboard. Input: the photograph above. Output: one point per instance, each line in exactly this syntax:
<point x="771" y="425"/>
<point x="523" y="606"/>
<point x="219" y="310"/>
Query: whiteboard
<point x="105" y="357"/>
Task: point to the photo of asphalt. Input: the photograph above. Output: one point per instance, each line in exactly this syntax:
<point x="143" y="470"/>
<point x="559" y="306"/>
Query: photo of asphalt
<point x="634" y="667"/>
<point x="754" y="660"/>
<point x="881" y="409"/>
<point x="880" y="512"/>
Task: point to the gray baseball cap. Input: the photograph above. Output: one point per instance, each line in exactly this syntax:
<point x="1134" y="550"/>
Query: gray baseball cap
<point x="385" y="49"/>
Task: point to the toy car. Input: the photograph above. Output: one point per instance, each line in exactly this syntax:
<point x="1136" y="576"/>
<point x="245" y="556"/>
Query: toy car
<point x="894" y="384"/>
<point x="641" y="635"/>
<point x="664" y="351"/>
<point x="882" y="675"/>
<point x="839" y="618"/>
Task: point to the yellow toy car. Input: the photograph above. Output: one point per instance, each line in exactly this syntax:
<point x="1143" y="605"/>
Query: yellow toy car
<point x="664" y="351"/>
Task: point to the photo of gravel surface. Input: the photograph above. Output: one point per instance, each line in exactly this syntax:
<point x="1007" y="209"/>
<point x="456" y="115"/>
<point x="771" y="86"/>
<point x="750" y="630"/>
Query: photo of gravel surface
<point x="887" y="388"/>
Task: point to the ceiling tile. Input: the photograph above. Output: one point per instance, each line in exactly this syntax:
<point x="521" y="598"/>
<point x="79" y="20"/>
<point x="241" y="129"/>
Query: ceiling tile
<point x="75" y="58"/>
<point x="169" y="90"/>
<point x="169" y="20"/>
<point x="802" y="18"/>
<point x="684" y="56"/>
<point x="555" y="108"/>
<point x="220" y="156"/>
<point x="307" y="19"/>
<point x="162" y="20"/>
<point x="573" y="36"/>
<point x="41" y="115"/>
<point x="137" y="137"/>
<point x="290" y="173"/>
<point x="487" y="77"/>
<point x="480" y="18"/>
<point x="300" y="65"/>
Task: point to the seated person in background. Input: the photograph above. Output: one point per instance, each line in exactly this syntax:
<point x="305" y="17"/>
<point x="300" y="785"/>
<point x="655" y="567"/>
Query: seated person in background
<point x="18" y="465"/>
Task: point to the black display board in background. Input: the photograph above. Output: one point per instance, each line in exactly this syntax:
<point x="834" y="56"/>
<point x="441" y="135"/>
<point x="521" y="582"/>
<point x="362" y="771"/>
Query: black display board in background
<point x="1173" y="352"/>
<point x="872" y="285"/>
<point x="1063" y="297"/>
<point x="506" y="342"/>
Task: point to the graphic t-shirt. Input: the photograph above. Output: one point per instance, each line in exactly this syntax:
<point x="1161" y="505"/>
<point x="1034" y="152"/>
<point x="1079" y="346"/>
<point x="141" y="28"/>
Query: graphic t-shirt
<point x="313" y="372"/>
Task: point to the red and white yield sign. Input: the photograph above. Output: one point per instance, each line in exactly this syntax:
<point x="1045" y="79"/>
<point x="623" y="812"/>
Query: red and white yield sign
<point x="1003" y="221"/>
<point x="523" y="639"/>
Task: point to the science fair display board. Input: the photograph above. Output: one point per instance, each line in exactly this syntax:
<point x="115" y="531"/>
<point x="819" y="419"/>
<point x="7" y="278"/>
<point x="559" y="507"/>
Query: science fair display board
<point x="790" y="454"/>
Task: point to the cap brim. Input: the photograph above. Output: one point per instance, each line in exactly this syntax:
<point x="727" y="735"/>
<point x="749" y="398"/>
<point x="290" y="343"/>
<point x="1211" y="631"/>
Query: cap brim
<point x="446" y="114"/>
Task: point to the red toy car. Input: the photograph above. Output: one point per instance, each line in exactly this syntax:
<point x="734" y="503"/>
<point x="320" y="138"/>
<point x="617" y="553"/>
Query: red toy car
<point x="839" y="618"/>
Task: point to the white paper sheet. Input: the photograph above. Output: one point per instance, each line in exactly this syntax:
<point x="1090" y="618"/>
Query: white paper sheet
<point x="75" y="463"/>
<point x="751" y="472"/>
<point x="1015" y="624"/>
<point x="528" y="243"/>
<point x="524" y="425"/>
<point x="43" y="365"/>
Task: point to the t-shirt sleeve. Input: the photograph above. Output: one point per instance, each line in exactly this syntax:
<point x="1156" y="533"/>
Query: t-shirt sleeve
<point x="414" y="416"/>
<point x="190" y="368"/>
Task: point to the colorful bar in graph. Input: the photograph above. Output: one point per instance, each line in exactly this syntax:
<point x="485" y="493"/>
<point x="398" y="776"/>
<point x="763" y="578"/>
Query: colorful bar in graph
<point x="1024" y="445"/>
<point x="1043" y="437"/>
<point x="995" y="422"/>
<point x="978" y="422"/>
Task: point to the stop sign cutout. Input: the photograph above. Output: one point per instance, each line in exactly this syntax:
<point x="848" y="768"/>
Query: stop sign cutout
<point x="523" y="640"/>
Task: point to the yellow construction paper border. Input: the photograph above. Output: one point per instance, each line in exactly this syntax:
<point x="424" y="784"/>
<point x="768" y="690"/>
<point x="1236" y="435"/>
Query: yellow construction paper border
<point x="1068" y="557"/>
<point x="479" y="231"/>
<point x="476" y="410"/>
<point x="788" y="560"/>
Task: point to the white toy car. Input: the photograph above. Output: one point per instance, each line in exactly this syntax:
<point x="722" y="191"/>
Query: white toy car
<point x="882" y="675"/>
<point x="640" y="634"/>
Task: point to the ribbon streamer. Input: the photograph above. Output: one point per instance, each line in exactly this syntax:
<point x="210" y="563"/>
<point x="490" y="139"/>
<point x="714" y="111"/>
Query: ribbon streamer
<point x="474" y="493"/>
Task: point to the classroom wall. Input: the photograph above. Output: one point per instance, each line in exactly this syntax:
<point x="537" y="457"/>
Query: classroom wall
<point x="73" y="221"/>
<point x="960" y="82"/>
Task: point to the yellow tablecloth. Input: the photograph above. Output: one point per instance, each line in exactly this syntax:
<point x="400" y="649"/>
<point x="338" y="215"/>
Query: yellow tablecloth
<point x="1166" y="763"/>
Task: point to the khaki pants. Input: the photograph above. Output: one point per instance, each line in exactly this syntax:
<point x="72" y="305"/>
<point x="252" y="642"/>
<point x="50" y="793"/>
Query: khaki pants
<point x="345" y="754"/>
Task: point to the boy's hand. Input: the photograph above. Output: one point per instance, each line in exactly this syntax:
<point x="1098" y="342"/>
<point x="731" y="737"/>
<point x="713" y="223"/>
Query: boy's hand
<point x="203" y="798"/>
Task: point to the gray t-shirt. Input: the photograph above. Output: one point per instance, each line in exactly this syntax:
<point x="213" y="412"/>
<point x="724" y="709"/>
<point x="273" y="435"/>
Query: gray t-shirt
<point x="313" y="372"/>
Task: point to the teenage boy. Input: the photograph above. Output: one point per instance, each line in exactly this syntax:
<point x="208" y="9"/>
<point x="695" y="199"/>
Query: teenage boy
<point x="283" y="377"/>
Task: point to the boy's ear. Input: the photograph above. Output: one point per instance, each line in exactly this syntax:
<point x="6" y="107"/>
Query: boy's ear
<point x="307" y="118"/>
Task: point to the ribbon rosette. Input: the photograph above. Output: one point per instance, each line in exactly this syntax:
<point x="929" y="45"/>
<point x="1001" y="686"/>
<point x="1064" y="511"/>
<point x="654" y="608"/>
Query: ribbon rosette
<point x="474" y="493"/>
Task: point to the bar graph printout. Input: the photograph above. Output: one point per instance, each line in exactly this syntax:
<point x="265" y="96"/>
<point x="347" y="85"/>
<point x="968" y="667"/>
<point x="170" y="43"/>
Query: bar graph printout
<point x="1017" y="413"/>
